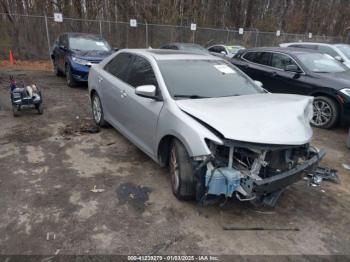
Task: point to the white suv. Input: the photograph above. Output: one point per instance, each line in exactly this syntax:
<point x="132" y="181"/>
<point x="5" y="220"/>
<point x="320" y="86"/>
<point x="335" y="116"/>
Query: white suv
<point x="341" y="52"/>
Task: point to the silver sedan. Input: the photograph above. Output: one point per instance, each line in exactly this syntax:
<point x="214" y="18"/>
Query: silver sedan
<point x="220" y="132"/>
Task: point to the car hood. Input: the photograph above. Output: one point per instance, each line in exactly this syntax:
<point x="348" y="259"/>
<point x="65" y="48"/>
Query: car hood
<point x="278" y="119"/>
<point x="92" y="55"/>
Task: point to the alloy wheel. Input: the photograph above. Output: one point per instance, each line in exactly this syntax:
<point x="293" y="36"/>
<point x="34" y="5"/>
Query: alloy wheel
<point x="323" y="113"/>
<point x="96" y="109"/>
<point x="174" y="168"/>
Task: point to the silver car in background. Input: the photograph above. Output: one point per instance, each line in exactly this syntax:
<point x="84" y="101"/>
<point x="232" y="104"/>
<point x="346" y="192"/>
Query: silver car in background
<point x="219" y="132"/>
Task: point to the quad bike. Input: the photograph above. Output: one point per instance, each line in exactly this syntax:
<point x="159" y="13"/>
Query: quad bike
<point x="25" y="97"/>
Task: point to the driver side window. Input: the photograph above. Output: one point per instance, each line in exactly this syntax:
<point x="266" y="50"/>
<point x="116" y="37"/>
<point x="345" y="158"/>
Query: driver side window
<point x="141" y="73"/>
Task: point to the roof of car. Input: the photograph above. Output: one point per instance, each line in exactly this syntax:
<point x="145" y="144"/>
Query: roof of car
<point x="183" y="44"/>
<point x="168" y="54"/>
<point x="286" y="50"/>
<point x="307" y="43"/>
<point x="85" y="35"/>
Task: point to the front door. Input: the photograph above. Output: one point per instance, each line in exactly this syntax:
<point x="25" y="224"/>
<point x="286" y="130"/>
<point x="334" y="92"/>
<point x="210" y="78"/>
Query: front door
<point x="142" y="113"/>
<point x="282" y="81"/>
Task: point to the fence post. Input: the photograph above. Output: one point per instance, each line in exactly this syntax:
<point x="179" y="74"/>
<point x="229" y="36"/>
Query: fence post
<point x="256" y="37"/>
<point x="146" y="34"/>
<point x="48" y="36"/>
<point x="100" y="28"/>
<point x="227" y="37"/>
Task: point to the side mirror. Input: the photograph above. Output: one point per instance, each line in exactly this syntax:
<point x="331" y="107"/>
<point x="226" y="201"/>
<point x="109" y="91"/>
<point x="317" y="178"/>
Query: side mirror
<point x="148" y="91"/>
<point x="115" y="49"/>
<point x="292" y="68"/>
<point x="339" y="58"/>
<point x="258" y="83"/>
<point x="63" y="47"/>
<point x="223" y="52"/>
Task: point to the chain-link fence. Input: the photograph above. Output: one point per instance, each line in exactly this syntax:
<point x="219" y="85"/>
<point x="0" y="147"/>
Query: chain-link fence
<point x="31" y="37"/>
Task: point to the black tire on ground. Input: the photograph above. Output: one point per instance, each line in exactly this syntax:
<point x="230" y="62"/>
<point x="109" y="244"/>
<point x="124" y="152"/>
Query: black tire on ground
<point x="71" y="82"/>
<point x="40" y="108"/>
<point x="56" y="70"/>
<point x="183" y="182"/>
<point x="326" y="112"/>
<point x="97" y="111"/>
<point x="15" y="110"/>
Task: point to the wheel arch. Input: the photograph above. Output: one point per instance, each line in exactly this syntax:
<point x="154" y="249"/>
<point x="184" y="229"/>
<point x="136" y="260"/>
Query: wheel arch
<point x="329" y="95"/>
<point x="163" y="148"/>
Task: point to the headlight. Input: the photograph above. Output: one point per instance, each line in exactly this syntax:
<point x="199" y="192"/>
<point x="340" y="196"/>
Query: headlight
<point x="80" y="61"/>
<point x="346" y="91"/>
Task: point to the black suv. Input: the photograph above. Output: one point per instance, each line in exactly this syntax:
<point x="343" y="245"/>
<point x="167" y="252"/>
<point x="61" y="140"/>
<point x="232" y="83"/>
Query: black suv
<point x="304" y="72"/>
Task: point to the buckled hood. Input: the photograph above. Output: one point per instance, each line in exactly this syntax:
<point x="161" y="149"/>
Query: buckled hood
<point x="278" y="119"/>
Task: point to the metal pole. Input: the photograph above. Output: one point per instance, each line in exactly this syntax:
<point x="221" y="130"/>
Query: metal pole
<point x="194" y="33"/>
<point x="227" y="37"/>
<point x="146" y="35"/>
<point x="100" y="29"/>
<point x="48" y="36"/>
<point x="256" y="37"/>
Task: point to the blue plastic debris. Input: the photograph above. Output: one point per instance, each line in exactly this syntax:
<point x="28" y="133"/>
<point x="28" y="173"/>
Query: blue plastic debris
<point x="222" y="181"/>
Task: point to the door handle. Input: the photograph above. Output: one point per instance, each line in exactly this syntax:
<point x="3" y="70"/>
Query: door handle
<point x="123" y="93"/>
<point x="245" y="66"/>
<point x="273" y="74"/>
<point x="100" y="79"/>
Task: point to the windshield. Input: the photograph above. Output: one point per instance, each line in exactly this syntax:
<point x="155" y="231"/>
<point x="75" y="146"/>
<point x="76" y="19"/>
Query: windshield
<point x="193" y="47"/>
<point x="345" y="50"/>
<point x="88" y="44"/>
<point x="320" y="63"/>
<point x="187" y="79"/>
<point x="233" y="49"/>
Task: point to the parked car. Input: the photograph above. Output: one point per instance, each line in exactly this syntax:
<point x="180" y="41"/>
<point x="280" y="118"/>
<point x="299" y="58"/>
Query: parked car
<point x="225" y="50"/>
<point x="73" y="53"/>
<point x="304" y="72"/>
<point x="190" y="47"/>
<point x="218" y="133"/>
<point x="341" y="52"/>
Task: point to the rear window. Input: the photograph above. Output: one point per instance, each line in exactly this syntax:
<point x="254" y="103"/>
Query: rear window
<point x="262" y="58"/>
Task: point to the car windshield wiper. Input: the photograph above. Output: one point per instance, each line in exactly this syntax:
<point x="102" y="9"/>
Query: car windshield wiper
<point x="321" y="72"/>
<point x="190" y="96"/>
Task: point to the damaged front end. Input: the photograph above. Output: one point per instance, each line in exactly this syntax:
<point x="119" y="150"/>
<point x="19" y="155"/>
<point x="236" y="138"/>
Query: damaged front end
<point x="256" y="172"/>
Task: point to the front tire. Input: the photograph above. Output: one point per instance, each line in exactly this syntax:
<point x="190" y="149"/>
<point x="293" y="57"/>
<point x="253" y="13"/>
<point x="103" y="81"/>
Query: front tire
<point x="183" y="182"/>
<point x="40" y="108"/>
<point x="97" y="111"/>
<point x="326" y="112"/>
<point x="71" y="82"/>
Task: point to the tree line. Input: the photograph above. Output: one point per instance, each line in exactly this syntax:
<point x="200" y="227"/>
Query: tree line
<point x="329" y="17"/>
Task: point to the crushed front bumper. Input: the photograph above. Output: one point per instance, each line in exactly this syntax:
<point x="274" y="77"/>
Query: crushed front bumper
<point x="277" y="182"/>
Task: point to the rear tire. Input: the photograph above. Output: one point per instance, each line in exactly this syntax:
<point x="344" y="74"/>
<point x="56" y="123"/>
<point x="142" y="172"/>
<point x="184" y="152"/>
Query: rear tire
<point x="56" y="70"/>
<point x="183" y="182"/>
<point x="97" y="111"/>
<point x="326" y="112"/>
<point x="71" y="82"/>
<point x="15" y="110"/>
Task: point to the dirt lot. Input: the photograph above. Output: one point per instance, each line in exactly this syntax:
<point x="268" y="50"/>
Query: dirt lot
<point x="48" y="165"/>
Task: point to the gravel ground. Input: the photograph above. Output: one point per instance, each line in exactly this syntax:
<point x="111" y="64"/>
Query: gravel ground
<point x="49" y="164"/>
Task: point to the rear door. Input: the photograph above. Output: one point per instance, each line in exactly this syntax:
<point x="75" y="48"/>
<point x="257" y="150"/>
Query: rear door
<point x="256" y="65"/>
<point x="112" y="81"/>
<point x="61" y="51"/>
<point x="142" y="113"/>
